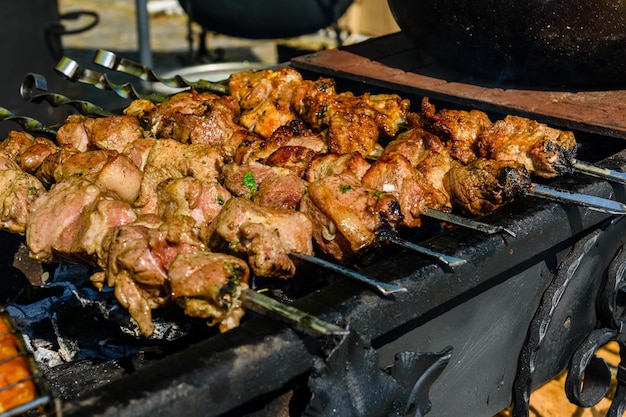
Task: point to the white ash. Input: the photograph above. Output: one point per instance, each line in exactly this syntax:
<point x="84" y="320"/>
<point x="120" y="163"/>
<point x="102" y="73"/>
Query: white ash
<point x="68" y="319"/>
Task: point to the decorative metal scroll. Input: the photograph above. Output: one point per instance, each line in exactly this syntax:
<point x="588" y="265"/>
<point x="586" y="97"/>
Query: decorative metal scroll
<point x="589" y="377"/>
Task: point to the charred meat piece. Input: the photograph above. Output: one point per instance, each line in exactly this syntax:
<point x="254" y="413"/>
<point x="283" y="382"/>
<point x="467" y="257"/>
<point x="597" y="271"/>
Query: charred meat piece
<point x="393" y="174"/>
<point x="35" y="155"/>
<point x="192" y="117"/>
<point x="347" y="217"/>
<point x="483" y="186"/>
<point x="265" y="236"/>
<point x="460" y="129"/>
<point x="292" y="134"/>
<point x="294" y="158"/>
<point x="265" y="98"/>
<point x="544" y="151"/>
<point x="15" y="143"/>
<point x="426" y="153"/>
<point x="208" y="285"/>
<point x="354" y="123"/>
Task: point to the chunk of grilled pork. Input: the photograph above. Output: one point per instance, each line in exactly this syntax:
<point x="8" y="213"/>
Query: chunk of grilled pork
<point x="35" y="155"/>
<point x="293" y="134"/>
<point x="81" y="133"/>
<point x="460" y="129"/>
<point x="393" y="174"/>
<point x="484" y="185"/>
<point x="111" y="171"/>
<point x="426" y="153"/>
<point x="138" y="256"/>
<point x="70" y="221"/>
<point x="208" y="285"/>
<point x="323" y="166"/>
<point x="265" y="236"/>
<point x="544" y="151"/>
<point x="192" y="117"/>
<point x="265" y="98"/>
<point x="202" y="201"/>
<point x="18" y="193"/>
<point x="272" y="187"/>
<point x="348" y="217"/>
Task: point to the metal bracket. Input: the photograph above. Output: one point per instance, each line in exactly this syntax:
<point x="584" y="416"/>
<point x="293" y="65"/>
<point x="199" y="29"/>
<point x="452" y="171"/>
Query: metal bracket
<point x="348" y="382"/>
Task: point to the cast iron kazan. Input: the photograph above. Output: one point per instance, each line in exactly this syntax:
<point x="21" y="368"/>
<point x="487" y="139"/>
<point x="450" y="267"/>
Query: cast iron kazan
<point x="573" y="43"/>
<point x="265" y="19"/>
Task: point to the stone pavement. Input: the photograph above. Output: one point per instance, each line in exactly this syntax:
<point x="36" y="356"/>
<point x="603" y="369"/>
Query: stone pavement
<point x="117" y="31"/>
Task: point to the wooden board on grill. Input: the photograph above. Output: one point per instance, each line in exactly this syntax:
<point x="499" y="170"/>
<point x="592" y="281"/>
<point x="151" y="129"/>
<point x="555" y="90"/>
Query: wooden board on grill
<point x="395" y="63"/>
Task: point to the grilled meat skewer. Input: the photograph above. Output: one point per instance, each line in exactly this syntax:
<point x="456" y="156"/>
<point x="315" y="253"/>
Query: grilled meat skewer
<point x="544" y="151"/>
<point x="199" y="140"/>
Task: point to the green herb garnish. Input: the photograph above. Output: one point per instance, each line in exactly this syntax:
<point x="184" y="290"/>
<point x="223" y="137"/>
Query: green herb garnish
<point x="249" y="182"/>
<point x="345" y="188"/>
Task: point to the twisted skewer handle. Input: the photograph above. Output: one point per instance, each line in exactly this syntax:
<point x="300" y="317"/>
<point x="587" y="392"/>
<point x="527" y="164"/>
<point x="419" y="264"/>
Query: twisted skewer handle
<point x="73" y="72"/>
<point x="33" y="82"/>
<point x="28" y="123"/>
<point x="111" y="61"/>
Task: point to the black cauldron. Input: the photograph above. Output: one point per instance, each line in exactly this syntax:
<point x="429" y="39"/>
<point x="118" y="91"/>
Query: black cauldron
<point x="269" y="19"/>
<point x="570" y="43"/>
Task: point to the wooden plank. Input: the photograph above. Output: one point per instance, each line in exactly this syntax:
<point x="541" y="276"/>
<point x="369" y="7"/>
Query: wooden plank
<point x="392" y="62"/>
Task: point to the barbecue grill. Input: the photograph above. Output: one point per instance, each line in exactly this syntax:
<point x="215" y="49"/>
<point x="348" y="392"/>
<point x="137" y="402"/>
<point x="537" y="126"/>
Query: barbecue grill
<point x="468" y="340"/>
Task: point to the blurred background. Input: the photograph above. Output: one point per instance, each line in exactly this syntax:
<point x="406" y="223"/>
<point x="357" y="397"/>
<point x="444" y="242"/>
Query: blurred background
<point x="168" y="37"/>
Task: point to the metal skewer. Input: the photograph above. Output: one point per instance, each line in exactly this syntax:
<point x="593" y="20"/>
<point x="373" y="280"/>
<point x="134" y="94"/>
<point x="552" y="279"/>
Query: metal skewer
<point x="593" y="203"/>
<point x="28" y="123"/>
<point x="72" y="71"/>
<point x="111" y="61"/>
<point x="465" y="222"/>
<point x="381" y="287"/>
<point x="596" y="171"/>
<point x="34" y="82"/>
<point x="451" y="261"/>
<point x="296" y="318"/>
